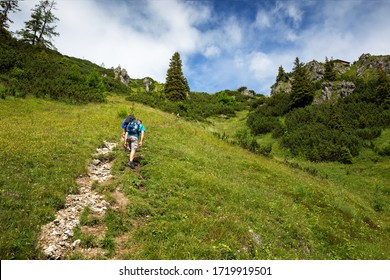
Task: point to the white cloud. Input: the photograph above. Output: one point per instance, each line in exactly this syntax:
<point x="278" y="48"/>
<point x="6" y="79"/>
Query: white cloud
<point x="349" y="31"/>
<point x="212" y="51"/>
<point x="263" y="19"/>
<point x="237" y="49"/>
<point x="259" y="64"/>
<point x="232" y="32"/>
<point x="294" y="12"/>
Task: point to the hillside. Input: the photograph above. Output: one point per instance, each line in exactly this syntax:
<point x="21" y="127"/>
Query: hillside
<point x="196" y="193"/>
<point x="194" y="197"/>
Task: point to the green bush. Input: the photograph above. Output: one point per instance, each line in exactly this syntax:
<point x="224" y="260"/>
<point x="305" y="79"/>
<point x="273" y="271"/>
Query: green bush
<point x="262" y="124"/>
<point x="199" y="106"/>
<point x="384" y="150"/>
<point x="244" y="139"/>
<point x="345" y="156"/>
<point x="317" y="142"/>
<point x="122" y="113"/>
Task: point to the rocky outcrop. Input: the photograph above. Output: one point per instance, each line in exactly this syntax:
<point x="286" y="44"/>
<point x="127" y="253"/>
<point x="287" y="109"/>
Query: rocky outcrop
<point x="335" y="90"/>
<point x="326" y="92"/>
<point x="316" y="70"/>
<point x="247" y="92"/>
<point x="281" y="87"/>
<point x="345" y="88"/>
<point x="147" y="84"/>
<point x="56" y="237"/>
<point x="367" y="61"/>
<point x="121" y="74"/>
<point x="367" y="66"/>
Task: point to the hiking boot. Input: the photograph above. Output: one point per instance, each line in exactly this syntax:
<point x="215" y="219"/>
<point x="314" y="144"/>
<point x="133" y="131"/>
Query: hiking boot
<point x="131" y="165"/>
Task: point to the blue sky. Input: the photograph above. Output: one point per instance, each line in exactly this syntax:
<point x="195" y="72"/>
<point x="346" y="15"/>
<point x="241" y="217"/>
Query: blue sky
<point x="224" y="44"/>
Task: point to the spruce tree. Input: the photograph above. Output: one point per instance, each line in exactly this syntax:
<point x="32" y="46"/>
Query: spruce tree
<point x="282" y="75"/>
<point x="7" y="6"/>
<point x="302" y="89"/>
<point x="176" y="85"/>
<point x="382" y="96"/>
<point x="330" y="74"/>
<point x="40" y="29"/>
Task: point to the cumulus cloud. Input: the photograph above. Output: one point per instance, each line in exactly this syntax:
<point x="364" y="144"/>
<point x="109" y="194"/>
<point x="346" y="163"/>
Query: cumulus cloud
<point x="294" y="13"/>
<point x="212" y="51"/>
<point x="263" y="19"/>
<point x="220" y="47"/>
<point x="259" y="64"/>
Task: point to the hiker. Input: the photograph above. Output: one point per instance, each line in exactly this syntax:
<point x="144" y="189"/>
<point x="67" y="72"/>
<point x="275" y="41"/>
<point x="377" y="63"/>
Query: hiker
<point x="125" y="122"/>
<point x="135" y="133"/>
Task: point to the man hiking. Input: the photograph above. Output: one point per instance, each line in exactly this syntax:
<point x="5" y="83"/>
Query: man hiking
<point x="135" y="132"/>
<point x="125" y="122"/>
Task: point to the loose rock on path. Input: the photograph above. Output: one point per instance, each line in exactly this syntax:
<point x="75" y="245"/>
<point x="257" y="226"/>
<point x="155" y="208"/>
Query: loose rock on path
<point x="56" y="237"/>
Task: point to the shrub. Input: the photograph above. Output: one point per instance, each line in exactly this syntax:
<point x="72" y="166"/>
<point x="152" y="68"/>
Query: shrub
<point x="244" y="139"/>
<point x="369" y="133"/>
<point x="384" y="150"/>
<point x="345" y="156"/>
<point x="261" y="124"/>
<point x="122" y="113"/>
<point x="317" y="142"/>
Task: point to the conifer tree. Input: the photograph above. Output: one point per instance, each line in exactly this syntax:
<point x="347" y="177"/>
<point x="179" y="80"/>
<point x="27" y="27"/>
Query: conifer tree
<point x="7" y="6"/>
<point x="176" y="86"/>
<point x="282" y="75"/>
<point x="40" y="29"/>
<point x="330" y="74"/>
<point x="383" y="89"/>
<point x="302" y="90"/>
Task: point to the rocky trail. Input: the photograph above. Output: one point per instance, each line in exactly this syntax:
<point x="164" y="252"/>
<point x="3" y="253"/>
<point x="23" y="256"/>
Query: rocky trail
<point x="57" y="237"/>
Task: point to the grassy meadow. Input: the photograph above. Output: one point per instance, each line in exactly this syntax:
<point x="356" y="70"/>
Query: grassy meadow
<point x="195" y="197"/>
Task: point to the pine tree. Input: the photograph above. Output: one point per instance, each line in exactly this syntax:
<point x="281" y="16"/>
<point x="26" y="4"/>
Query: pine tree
<point x="302" y="90"/>
<point x="176" y="86"/>
<point x="39" y="30"/>
<point x="7" y="6"/>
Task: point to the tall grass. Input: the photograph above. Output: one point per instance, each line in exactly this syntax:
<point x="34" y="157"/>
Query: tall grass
<point x="195" y="197"/>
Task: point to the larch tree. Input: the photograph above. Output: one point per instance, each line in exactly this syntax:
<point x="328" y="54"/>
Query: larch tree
<point x="176" y="85"/>
<point x="40" y="29"/>
<point x="6" y="7"/>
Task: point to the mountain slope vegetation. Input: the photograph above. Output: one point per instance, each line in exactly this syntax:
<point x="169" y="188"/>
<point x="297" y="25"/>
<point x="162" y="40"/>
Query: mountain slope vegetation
<point x="327" y="112"/>
<point x="195" y="197"/>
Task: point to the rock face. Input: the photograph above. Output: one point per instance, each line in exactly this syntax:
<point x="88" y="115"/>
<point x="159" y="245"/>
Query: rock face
<point x="281" y="87"/>
<point x="147" y="83"/>
<point x="327" y="89"/>
<point x="316" y="70"/>
<point x="345" y="88"/>
<point x="122" y="75"/>
<point x="56" y="237"/>
<point x="335" y="90"/>
<point x="367" y="61"/>
<point x="247" y="92"/>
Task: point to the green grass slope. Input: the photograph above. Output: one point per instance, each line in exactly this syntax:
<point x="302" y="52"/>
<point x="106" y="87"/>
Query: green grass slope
<point x="195" y="197"/>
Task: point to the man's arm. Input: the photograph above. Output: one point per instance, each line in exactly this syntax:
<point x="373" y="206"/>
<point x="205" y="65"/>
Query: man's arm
<point x="141" y="138"/>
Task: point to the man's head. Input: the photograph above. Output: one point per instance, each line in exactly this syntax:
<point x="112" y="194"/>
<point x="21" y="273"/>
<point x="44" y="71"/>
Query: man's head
<point x="130" y="118"/>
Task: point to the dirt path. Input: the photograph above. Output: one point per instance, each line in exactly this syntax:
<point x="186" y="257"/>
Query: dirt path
<point x="56" y="238"/>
